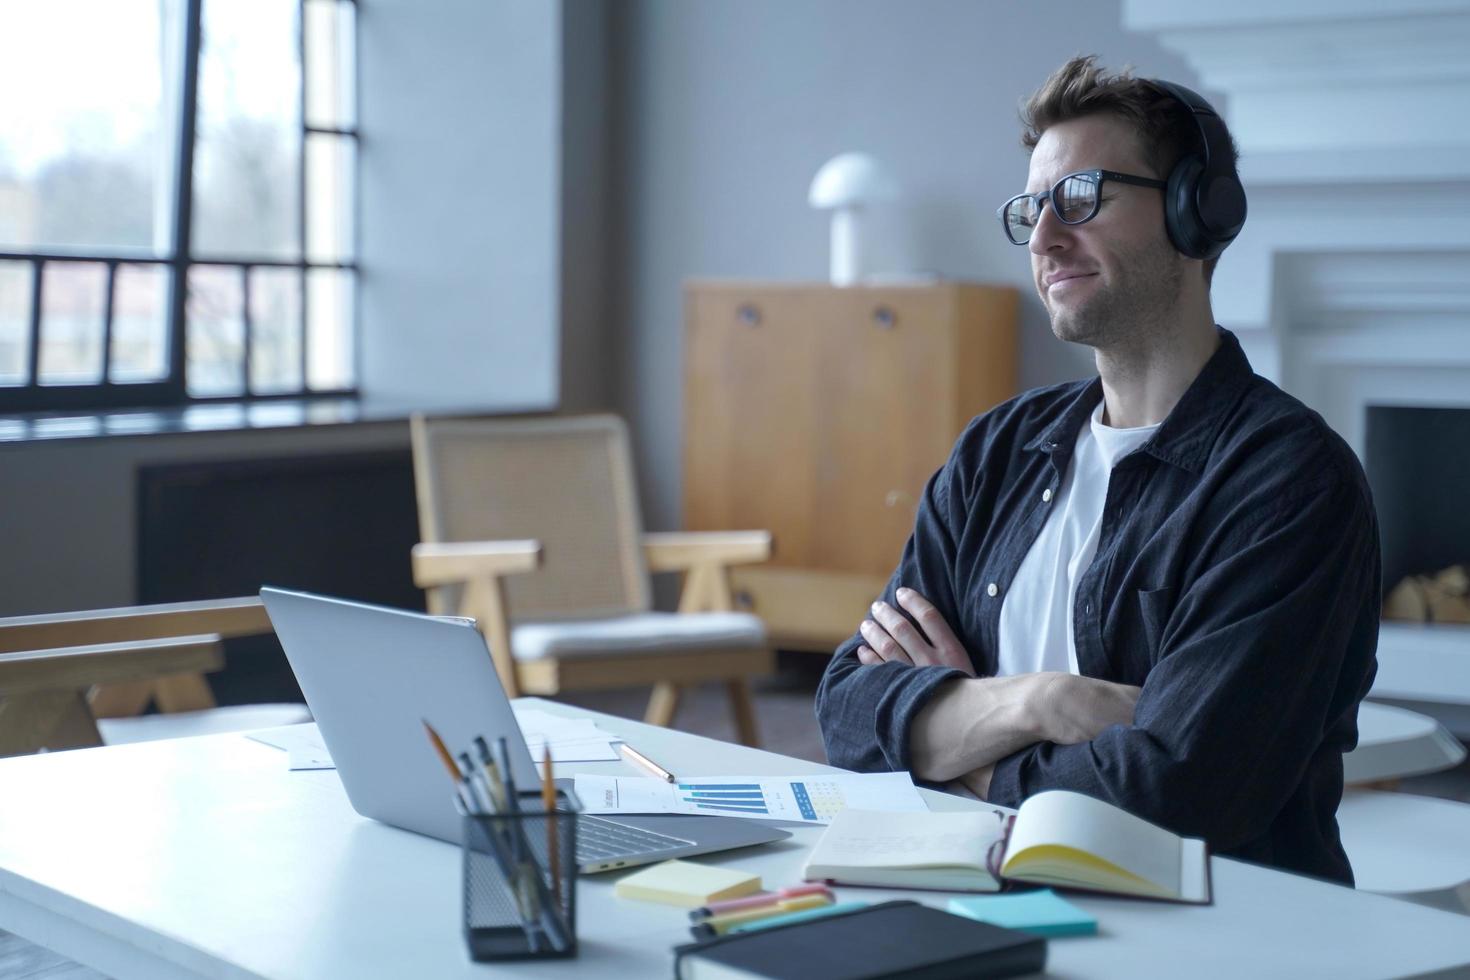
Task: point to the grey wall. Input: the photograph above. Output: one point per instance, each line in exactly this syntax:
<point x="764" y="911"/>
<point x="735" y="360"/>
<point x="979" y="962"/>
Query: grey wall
<point x="460" y="183"/>
<point x="726" y="108"/>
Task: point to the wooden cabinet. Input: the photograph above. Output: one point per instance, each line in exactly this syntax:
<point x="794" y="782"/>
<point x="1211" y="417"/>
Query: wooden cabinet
<point x="819" y="413"/>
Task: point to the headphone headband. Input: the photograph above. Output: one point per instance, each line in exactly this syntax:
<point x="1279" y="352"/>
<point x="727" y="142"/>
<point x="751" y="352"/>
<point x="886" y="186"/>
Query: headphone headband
<point x="1211" y="127"/>
<point x="1204" y="207"/>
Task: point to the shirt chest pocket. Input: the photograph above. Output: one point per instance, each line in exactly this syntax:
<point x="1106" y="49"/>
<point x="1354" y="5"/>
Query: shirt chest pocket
<point x="1155" y="606"/>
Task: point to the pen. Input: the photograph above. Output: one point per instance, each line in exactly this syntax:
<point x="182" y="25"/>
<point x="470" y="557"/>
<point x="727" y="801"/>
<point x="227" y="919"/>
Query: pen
<point x="526" y="878"/>
<point x="491" y="771"/>
<point x="478" y="793"/>
<point x="756" y="901"/>
<point x="548" y="804"/>
<point x="720" y="924"/>
<point x="508" y="782"/>
<point x="643" y="761"/>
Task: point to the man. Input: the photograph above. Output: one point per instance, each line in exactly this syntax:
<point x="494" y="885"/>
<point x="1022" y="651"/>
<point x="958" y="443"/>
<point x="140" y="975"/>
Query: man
<point x="1159" y="587"/>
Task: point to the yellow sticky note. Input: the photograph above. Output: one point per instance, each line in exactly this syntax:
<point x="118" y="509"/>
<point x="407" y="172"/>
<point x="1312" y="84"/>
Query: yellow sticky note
<point x="687" y="885"/>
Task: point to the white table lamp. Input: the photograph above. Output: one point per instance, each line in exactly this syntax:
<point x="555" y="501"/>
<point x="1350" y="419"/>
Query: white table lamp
<point x="849" y="184"/>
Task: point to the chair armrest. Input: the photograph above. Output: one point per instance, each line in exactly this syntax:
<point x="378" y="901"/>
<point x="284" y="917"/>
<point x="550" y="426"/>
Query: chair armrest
<point x="80" y="667"/>
<point x="674" y="551"/>
<point x="226" y="617"/>
<point x="452" y="562"/>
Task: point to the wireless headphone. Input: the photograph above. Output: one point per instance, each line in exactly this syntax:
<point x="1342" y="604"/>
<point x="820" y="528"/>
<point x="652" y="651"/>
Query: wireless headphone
<point x="1204" y="204"/>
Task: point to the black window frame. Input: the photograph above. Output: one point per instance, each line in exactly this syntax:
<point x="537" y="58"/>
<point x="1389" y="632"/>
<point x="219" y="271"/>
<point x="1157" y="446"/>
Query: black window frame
<point x="172" y="391"/>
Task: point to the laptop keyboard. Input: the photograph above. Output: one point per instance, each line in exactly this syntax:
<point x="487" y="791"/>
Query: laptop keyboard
<point x="600" y="840"/>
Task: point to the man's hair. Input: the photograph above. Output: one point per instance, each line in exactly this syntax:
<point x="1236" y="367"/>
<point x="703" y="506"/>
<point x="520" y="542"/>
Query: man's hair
<point x="1165" y="128"/>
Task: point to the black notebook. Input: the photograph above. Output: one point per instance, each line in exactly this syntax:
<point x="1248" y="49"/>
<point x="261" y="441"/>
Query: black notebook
<point x="893" y="939"/>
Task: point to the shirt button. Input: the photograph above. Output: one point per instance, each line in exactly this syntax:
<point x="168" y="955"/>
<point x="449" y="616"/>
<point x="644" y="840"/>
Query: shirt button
<point x="992" y="590"/>
<point x="1046" y="495"/>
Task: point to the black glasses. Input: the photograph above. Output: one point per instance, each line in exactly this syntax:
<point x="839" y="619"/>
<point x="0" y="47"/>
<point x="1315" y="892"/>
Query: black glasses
<point x="1075" y="200"/>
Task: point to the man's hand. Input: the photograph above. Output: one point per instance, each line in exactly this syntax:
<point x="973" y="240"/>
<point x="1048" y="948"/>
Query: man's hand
<point x="1072" y="709"/>
<point x="891" y="637"/>
<point x="975" y="783"/>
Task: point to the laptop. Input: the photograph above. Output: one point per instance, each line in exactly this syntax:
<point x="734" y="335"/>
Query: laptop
<point x="372" y="675"/>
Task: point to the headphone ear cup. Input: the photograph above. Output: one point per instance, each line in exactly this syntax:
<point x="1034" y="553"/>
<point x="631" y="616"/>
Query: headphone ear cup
<point x="1221" y="207"/>
<point x="1181" y="215"/>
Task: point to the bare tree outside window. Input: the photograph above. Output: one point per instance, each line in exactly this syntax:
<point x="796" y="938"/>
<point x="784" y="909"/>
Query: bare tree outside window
<point x="105" y="298"/>
<point x="79" y="161"/>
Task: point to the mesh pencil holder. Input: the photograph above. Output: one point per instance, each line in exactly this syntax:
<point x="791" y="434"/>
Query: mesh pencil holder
<point x="520" y="881"/>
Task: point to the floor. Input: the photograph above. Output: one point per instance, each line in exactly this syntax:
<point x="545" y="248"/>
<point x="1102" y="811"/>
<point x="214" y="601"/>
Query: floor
<point x="784" y="713"/>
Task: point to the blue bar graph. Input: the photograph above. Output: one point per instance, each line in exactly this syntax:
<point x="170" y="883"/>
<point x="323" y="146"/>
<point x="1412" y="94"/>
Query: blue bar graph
<point x="722" y="795"/>
<point x="728" y="808"/>
<point x="730" y="797"/>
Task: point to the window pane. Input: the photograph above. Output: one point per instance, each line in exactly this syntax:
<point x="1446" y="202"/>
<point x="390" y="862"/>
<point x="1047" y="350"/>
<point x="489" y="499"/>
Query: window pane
<point x="331" y="89"/>
<point x="329" y="335"/>
<point x="15" y="322"/>
<point x="247" y="151"/>
<point x="275" y="324"/>
<point x="140" y="324"/>
<point x="86" y="138"/>
<point x="331" y="162"/>
<point x="216" y="331"/>
<point x="73" y="295"/>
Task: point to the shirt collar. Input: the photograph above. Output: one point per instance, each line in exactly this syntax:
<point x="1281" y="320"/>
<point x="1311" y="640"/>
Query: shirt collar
<point x="1187" y="433"/>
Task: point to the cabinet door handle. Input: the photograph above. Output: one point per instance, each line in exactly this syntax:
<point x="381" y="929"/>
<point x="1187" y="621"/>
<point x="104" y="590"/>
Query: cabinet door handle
<point x="884" y="317"/>
<point x="748" y="314"/>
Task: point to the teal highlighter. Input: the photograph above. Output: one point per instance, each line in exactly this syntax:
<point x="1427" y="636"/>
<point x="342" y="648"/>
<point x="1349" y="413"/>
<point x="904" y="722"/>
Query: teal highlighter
<point x="793" y="917"/>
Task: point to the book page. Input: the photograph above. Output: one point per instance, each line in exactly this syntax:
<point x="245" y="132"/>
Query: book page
<point x="1058" y="818"/>
<point x="1194" y="870"/>
<point x="869" y="839"/>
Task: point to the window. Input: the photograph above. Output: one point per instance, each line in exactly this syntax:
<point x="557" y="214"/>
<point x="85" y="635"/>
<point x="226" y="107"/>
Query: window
<point x="177" y="201"/>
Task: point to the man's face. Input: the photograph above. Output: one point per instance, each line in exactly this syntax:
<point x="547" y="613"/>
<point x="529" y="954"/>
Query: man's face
<point x="1113" y="280"/>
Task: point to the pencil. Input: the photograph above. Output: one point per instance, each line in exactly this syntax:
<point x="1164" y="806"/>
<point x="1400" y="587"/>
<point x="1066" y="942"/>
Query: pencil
<point x="461" y="790"/>
<point x="643" y="761"/>
<point x="548" y="803"/>
<point x="443" y="752"/>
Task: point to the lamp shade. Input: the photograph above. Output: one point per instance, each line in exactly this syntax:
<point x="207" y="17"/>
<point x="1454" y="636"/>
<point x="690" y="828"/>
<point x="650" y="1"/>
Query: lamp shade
<point x="851" y="180"/>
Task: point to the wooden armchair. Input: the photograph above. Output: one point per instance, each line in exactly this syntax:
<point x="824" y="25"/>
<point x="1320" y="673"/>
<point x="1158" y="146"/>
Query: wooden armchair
<point x="531" y="526"/>
<point x="76" y="679"/>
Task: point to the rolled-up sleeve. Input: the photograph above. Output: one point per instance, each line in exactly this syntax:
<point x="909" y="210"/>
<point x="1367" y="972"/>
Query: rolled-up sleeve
<point x="864" y="712"/>
<point x="1270" y="646"/>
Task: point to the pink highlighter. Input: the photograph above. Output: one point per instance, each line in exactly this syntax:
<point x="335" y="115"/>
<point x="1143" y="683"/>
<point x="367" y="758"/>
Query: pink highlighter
<point x="756" y="901"/>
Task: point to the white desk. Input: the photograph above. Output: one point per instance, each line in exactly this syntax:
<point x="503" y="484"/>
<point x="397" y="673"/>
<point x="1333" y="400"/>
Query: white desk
<point x="1426" y="668"/>
<point x="1394" y="743"/>
<point x="206" y="857"/>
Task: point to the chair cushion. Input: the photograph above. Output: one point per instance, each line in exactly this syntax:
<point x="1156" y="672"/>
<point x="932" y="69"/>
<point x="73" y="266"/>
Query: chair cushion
<point x="210" y="721"/>
<point x="652" y="632"/>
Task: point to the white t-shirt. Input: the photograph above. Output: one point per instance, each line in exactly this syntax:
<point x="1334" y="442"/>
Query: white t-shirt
<point x="1036" y="614"/>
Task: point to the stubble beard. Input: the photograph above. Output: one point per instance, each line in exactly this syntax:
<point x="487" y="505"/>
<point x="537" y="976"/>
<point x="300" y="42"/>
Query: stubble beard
<point x="1130" y="309"/>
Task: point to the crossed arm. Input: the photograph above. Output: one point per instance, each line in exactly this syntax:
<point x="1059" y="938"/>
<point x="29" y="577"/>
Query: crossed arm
<point x="972" y="722"/>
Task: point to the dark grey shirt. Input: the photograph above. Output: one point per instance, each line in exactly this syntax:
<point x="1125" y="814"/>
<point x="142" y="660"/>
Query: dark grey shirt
<point x="1236" y="581"/>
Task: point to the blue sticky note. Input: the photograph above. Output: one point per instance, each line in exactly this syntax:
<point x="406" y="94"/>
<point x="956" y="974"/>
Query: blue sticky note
<point x="1042" y="913"/>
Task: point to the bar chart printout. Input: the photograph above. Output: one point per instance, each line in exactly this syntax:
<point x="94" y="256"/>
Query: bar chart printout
<point x="808" y="799"/>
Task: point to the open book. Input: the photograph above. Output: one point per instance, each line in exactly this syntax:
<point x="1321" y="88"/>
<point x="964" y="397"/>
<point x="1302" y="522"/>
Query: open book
<point x="1056" y="838"/>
